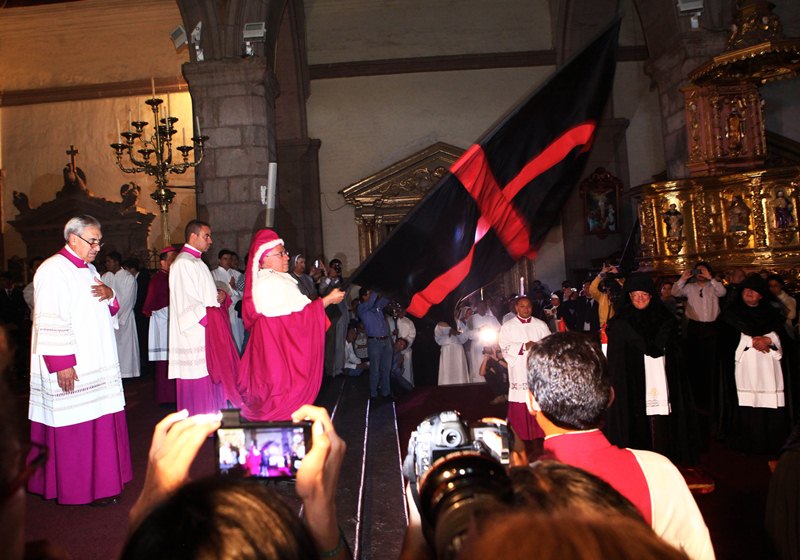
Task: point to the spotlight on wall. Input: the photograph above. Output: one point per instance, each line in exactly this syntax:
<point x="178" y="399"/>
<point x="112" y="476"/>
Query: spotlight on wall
<point x="197" y="32"/>
<point x="255" y="32"/>
<point x="178" y="37"/>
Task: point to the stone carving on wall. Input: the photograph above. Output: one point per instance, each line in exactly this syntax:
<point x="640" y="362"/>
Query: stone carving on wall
<point x="385" y="197"/>
<point x="125" y="226"/>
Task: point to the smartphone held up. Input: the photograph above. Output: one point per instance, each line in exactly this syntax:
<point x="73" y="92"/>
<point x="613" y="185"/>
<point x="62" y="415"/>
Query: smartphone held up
<point x="266" y="450"/>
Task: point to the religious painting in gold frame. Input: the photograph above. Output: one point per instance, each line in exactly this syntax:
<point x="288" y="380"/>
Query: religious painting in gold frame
<point x="600" y="193"/>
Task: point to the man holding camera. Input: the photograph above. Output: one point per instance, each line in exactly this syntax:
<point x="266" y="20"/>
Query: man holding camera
<point x="702" y="292"/>
<point x="379" y="344"/>
<point x="570" y="391"/>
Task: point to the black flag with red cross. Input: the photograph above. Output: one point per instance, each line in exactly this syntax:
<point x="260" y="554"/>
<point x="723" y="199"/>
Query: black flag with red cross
<point x="501" y="197"/>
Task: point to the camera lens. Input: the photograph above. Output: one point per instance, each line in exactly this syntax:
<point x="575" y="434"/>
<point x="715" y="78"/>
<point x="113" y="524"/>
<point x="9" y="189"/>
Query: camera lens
<point x="458" y="488"/>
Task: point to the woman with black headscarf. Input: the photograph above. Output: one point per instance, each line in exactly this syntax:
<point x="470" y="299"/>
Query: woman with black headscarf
<point x="652" y="407"/>
<point x="754" y="377"/>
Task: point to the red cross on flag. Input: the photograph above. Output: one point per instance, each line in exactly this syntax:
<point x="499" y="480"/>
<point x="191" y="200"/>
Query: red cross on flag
<point x="502" y="196"/>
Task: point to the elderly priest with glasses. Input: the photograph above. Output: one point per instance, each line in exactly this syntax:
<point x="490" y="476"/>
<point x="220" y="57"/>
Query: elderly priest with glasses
<point x="77" y="407"/>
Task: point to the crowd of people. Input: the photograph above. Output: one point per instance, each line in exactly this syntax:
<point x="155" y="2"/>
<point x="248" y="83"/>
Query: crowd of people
<point x="620" y="382"/>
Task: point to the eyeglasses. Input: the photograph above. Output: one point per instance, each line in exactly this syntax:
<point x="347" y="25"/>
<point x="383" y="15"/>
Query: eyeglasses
<point x="95" y="243"/>
<point x="281" y="254"/>
<point x="38" y="457"/>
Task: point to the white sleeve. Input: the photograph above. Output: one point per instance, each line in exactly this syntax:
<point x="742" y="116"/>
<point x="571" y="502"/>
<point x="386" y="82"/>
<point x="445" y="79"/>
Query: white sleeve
<point x="675" y="515"/>
<point x="52" y="333"/>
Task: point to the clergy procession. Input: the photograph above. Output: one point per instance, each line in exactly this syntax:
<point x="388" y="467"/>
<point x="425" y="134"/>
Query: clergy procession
<point x="420" y="280"/>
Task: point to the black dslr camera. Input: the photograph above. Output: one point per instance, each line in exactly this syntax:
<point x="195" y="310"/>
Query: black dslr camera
<point x="457" y="472"/>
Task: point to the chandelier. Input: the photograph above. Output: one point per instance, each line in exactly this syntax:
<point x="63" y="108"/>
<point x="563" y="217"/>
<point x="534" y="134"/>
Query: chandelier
<point x="151" y="152"/>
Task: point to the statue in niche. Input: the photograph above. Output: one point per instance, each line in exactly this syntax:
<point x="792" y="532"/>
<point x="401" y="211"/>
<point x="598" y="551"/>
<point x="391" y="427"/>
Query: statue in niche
<point x="782" y="210"/>
<point x="674" y="221"/>
<point x="739" y="215"/>
<point x="130" y="195"/>
<point x="735" y="132"/>
<point x="21" y="202"/>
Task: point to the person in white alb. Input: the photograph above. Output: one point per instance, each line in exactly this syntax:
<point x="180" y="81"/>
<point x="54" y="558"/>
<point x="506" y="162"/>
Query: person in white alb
<point x="402" y="327"/>
<point x="517" y="337"/>
<point x="191" y="292"/>
<point x="482" y="330"/>
<point x="77" y="406"/>
<point x="228" y="275"/>
<point x="453" y="367"/>
<point x="124" y="285"/>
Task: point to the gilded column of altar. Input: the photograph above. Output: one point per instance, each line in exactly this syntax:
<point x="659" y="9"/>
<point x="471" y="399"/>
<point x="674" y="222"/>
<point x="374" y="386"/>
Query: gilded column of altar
<point x="759" y="221"/>
<point x="648" y="228"/>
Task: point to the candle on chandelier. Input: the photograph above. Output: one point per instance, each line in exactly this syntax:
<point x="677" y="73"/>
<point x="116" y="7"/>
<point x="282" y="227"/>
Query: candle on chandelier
<point x="153" y="86"/>
<point x="183" y="131"/>
<point x="197" y="122"/>
<point x="522" y="285"/>
<point x="169" y="111"/>
<point x="130" y="116"/>
<point x="119" y="136"/>
<point x="138" y="111"/>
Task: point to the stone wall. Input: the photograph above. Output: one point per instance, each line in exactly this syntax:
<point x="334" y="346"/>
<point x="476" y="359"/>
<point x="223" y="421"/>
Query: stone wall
<point x="33" y="163"/>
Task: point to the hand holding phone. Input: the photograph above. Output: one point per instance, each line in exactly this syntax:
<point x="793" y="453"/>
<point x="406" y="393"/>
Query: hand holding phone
<point x="176" y="441"/>
<point x="319" y="476"/>
<point x="262" y="449"/>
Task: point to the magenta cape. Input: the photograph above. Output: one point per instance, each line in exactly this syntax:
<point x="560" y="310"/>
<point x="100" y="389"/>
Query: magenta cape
<point x="222" y="358"/>
<point x="282" y="365"/>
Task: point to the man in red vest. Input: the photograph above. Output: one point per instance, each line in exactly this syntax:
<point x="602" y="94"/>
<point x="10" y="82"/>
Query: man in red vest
<point x="569" y="394"/>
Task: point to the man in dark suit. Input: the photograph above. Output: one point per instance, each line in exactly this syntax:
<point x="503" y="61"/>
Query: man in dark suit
<point x="588" y="319"/>
<point x="142" y="277"/>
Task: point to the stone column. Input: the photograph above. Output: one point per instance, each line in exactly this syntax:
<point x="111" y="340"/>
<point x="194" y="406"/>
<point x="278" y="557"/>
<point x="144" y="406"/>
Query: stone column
<point x="669" y="71"/>
<point x="235" y="101"/>
<point x="299" y="216"/>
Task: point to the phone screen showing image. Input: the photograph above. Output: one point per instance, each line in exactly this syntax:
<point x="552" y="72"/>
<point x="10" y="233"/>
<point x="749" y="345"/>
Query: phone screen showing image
<point x="272" y="450"/>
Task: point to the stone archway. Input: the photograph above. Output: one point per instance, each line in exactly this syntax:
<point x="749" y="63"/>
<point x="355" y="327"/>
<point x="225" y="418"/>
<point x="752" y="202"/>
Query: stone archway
<point x="253" y="110"/>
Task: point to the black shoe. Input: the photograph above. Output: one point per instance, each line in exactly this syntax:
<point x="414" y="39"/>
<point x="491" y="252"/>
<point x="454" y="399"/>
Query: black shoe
<point x="103" y="502"/>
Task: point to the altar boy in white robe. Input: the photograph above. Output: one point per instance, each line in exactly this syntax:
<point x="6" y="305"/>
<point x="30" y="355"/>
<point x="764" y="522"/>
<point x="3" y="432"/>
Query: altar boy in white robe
<point x="482" y="329"/>
<point x="124" y="285"/>
<point x="77" y="407"/>
<point x="191" y="292"/>
<point x="227" y="274"/>
<point x="452" y="360"/>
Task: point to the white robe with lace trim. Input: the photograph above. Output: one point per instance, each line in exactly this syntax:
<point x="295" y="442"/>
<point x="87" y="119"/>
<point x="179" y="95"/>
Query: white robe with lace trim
<point x="124" y="285"/>
<point x="69" y="320"/>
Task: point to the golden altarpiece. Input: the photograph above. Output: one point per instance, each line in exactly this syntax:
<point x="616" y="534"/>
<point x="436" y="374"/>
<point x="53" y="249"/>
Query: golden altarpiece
<point x="734" y="210"/>
<point x="384" y="198"/>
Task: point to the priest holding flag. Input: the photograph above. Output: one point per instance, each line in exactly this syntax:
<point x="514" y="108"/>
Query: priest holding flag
<point x="502" y="196"/>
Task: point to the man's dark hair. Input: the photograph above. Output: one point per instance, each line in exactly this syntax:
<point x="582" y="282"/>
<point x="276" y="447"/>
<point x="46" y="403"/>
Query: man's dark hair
<point x="551" y="486"/>
<point x="224" y="252"/>
<point x="362" y="291"/>
<point x="194" y="227"/>
<point x="698" y="264"/>
<point x="568" y="375"/>
<point x="778" y="278"/>
<point x="115" y="256"/>
<point x="133" y="263"/>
